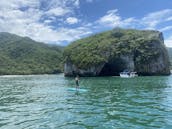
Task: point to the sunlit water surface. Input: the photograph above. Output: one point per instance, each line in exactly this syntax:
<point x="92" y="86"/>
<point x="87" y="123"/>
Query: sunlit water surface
<point x="43" y="102"/>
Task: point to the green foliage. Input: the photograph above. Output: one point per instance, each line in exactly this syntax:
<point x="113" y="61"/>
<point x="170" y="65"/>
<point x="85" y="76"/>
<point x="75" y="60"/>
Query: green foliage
<point x="21" y="55"/>
<point x="99" y="48"/>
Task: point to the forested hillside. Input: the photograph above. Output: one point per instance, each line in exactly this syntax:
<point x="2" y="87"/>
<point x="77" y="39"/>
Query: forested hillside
<point x="22" y="55"/>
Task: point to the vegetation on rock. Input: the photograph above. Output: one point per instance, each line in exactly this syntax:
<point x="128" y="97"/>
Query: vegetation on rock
<point x="96" y="49"/>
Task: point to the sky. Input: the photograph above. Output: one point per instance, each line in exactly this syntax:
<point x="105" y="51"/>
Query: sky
<point x="63" y="21"/>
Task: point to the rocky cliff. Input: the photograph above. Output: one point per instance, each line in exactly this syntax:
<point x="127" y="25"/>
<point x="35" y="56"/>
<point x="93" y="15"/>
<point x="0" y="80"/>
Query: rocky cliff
<point x="111" y="52"/>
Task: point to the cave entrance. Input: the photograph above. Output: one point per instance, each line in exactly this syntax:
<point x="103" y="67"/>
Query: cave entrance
<point x="113" y="68"/>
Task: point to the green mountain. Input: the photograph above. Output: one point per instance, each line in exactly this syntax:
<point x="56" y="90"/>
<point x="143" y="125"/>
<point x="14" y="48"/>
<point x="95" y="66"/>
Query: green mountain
<point x="22" y="55"/>
<point x="111" y="52"/>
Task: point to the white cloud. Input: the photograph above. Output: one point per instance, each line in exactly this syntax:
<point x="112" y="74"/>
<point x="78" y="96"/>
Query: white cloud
<point x="168" y="42"/>
<point x="166" y="28"/>
<point x="150" y="21"/>
<point x="153" y="19"/>
<point x="45" y="23"/>
<point x="73" y="34"/>
<point x="24" y="18"/>
<point x="62" y="34"/>
<point x="48" y="21"/>
<point x="58" y="11"/>
<point x="72" y="20"/>
<point x="169" y="19"/>
<point x="112" y="19"/>
<point x="15" y="4"/>
<point x="76" y="3"/>
<point x="129" y="22"/>
<point x="50" y="4"/>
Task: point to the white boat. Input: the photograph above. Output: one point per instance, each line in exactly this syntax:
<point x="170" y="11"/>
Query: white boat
<point x="128" y="74"/>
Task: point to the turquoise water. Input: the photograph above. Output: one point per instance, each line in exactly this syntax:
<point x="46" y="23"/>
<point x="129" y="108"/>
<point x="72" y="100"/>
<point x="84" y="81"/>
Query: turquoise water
<point x="43" y="102"/>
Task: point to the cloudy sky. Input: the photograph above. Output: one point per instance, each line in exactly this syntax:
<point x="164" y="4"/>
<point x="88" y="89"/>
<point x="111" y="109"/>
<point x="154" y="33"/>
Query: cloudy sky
<point x="63" y="21"/>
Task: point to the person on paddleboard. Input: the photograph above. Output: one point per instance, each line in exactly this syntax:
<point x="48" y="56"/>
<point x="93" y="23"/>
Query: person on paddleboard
<point x="77" y="81"/>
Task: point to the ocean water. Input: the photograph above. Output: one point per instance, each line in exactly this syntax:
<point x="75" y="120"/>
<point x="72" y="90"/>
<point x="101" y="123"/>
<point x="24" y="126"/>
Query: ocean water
<point x="43" y="102"/>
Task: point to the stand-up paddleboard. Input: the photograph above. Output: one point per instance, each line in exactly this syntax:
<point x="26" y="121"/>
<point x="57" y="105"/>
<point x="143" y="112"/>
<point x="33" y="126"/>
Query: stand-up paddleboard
<point x="79" y="89"/>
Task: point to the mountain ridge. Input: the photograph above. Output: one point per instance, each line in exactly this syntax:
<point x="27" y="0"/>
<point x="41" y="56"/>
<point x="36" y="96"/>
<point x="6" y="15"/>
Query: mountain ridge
<point x="22" y="55"/>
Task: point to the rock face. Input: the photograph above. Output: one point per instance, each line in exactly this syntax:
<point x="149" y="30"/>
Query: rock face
<point x="72" y="70"/>
<point x="109" y="53"/>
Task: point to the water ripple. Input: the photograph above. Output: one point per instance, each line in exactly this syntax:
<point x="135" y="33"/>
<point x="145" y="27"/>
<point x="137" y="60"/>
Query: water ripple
<point x="43" y="102"/>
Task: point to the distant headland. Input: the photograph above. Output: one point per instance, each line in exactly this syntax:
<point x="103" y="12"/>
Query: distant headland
<point x="111" y="52"/>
